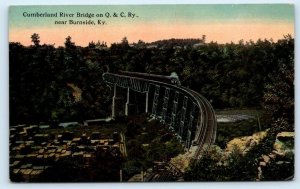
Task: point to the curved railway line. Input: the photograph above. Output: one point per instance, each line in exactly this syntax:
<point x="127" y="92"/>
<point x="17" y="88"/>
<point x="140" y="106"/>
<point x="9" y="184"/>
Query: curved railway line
<point x="204" y="123"/>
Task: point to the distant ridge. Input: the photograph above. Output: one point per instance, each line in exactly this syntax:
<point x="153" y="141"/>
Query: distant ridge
<point x="179" y="42"/>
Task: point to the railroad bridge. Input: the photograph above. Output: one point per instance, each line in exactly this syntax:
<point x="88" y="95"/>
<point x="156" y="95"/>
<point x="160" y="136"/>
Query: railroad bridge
<point x="186" y="112"/>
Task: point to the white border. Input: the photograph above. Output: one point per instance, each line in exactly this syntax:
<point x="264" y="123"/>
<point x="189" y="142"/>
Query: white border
<point x="4" y="153"/>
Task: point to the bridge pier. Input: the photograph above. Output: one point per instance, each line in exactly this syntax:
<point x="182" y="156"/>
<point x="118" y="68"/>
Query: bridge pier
<point x="188" y="140"/>
<point x="182" y="118"/>
<point x="155" y="100"/>
<point x="127" y="102"/>
<point x="174" y="110"/>
<point x="165" y="104"/>
<point x="147" y="101"/>
<point x="190" y="125"/>
<point x="113" y="107"/>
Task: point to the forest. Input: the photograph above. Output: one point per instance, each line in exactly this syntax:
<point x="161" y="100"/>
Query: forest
<point x="51" y="84"/>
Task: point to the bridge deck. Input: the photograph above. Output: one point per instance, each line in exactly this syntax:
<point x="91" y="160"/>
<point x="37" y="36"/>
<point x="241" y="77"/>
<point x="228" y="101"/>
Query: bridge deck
<point x="205" y="132"/>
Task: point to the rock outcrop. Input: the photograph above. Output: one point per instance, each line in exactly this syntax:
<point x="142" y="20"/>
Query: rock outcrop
<point x="283" y="147"/>
<point x="244" y="144"/>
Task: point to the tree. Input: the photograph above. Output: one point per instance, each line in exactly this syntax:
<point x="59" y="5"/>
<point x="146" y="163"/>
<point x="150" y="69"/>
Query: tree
<point x="278" y="97"/>
<point x="124" y="44"/>
<point x="69" y="43"/>
<point x="92" y="44"/>
<point x="35" y="38"/>
<point x="124" y="41"/>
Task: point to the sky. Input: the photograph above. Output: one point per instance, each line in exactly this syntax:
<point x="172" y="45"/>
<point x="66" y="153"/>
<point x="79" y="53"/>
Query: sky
<point x="221" y="23"/>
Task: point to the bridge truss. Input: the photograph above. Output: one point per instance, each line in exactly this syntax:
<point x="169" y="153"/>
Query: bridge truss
<point x="186" y="112"/>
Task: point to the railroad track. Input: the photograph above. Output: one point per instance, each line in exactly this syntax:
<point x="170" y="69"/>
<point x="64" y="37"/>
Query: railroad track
<point x="206" y="126"/>
<point x="207" y="133"/>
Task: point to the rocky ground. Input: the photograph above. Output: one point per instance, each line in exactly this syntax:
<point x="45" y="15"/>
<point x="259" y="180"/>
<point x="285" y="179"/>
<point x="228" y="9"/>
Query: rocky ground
<point x="282" y="148"/>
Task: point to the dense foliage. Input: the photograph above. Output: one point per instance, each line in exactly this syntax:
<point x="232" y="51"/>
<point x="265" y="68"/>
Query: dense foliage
<point x="44" y="80"/>
<point x="147" y="142"/>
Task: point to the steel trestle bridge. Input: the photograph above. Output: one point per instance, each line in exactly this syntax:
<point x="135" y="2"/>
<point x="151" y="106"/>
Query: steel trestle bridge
<point x="186" y="112"/>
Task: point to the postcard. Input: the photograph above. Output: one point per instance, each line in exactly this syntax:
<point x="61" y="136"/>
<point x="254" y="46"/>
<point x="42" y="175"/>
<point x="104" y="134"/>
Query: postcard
<point x="151" y="93"/>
